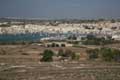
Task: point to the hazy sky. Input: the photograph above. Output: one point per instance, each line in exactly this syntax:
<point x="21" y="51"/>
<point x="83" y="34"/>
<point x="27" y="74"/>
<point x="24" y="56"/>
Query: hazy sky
<point x="60" y="9"/>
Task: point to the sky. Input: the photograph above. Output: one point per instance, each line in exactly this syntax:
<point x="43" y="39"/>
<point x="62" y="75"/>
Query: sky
<point x="60" y="9"/>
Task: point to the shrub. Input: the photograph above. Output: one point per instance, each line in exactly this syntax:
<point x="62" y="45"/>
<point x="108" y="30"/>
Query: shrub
<point x="60" y="52"/>
<point x="107" y="54"/>
<point x="47" y="56"/>
<point x="93" y="53"/>
<point x="117" y="55"/>
<point x="68" y="53"/>
<point x="92" y="40"/>
<point x="75" y="56"/>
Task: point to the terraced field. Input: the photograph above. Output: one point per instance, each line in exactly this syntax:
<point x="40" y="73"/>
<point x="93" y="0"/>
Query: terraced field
<point x="60" y="71"/>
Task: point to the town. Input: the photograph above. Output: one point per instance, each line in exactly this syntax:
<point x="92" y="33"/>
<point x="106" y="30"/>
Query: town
<point x="58" y="30"/>
<point x="49" y="49"/>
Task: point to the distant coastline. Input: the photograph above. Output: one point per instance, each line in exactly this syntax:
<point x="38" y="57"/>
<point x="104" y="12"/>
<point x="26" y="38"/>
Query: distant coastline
<point x="35" y="30"/>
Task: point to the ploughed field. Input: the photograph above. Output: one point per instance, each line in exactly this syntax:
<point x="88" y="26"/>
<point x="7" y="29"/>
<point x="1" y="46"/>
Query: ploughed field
<point x="60" y="71"/>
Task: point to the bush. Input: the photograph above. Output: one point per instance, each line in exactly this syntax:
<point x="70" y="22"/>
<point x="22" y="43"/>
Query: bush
<point x="68" y="53"/>
<point x="60" y="52"/>
<point x="47" y="56"/>
<point x="93" y="53"/>
<point x="117" y="55"/>
<point x="107" y="54"/>
<point x="92" y="40"/>
<point x="63" y="53"/>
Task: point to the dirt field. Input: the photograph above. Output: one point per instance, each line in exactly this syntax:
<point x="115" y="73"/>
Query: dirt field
<point x="28" y="53"/>
<point x="22" y="62"/>
<point x="60" y="71"/>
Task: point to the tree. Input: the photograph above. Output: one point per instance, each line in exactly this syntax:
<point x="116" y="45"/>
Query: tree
<point x="47" y="56"/>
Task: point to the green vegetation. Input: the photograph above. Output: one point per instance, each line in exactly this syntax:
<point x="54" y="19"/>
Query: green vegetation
<point x="7" y="24"/>
<point x="47" y="56"/>
<point x="113" y="21"/>
<point x="68" y="54"/>
<point x="106" y="54"/>
<point x="61" y="52"/>
<point x="65" y="54"/>
<point x="93" y="53"/>
<point x="92" y="40"/>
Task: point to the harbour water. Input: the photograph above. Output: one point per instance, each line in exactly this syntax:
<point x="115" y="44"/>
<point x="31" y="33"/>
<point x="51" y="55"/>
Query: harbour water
<point x="30" y="37"/>
<point x="20" y="37"/>
<point x="33" y="37"/>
